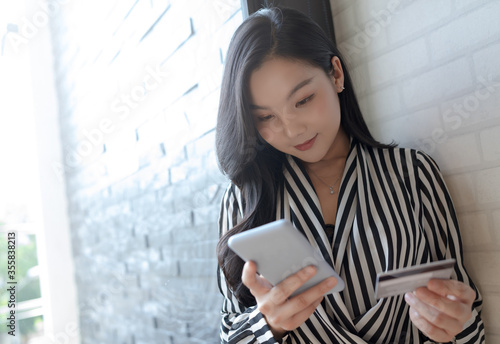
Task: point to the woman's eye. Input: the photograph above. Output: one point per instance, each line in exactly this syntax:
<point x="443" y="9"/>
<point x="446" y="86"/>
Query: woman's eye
<point x="305" y="100"/>
<point x="265" y="118"/>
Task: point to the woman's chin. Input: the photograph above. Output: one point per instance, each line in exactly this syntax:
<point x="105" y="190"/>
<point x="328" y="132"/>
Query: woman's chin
<point x="310" y="158"/>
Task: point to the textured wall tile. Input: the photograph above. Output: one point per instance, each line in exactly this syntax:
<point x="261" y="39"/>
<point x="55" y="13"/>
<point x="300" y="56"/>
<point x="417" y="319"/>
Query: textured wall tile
<point x="384" y="103"/>
<point x="465" y="32"/>
<point x="489" y="143"/>
<point x="475" y="230"/>
<point x="139" y="91"/>
<point x="488" y="185"/>
<point x="485" y="64"/>
<point x="437" y="83"/>
<point x="482" y="267"/>
<point x="462" y="189"/>
<point x="413" y="18"/>
<point x="399" y="62"/>
<point x="456" y="153"/>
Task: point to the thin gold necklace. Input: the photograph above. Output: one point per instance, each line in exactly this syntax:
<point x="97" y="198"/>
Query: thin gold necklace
<point x="321" y="180"/>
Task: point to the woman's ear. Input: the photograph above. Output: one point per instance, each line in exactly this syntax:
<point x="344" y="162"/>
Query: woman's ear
<point x="337" y="74"/>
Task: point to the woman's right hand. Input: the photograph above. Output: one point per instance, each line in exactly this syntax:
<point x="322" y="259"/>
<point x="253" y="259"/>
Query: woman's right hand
<point x="282" y="312"/>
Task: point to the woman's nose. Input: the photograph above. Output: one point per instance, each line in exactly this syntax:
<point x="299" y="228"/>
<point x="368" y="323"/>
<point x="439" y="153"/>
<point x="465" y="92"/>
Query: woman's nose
<point x="292" y="126"/>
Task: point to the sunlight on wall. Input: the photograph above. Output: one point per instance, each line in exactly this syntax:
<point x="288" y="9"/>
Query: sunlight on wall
<point x="19" y="189"/>
<point x="18" y="178"/>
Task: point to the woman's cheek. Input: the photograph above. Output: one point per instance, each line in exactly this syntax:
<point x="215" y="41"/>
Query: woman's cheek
<point x="268" y="134"/>
<point x="323" y="109"/>
<point x="270" y="130"/>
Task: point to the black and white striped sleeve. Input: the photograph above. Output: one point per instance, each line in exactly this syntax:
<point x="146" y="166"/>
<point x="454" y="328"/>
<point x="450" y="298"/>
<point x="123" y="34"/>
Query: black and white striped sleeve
<point x="239" y="324"/>
<point x="440" y="224"/>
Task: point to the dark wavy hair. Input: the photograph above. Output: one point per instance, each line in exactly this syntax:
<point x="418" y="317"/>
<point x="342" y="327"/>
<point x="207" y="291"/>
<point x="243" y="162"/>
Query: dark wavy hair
<point x="244" y="157"/>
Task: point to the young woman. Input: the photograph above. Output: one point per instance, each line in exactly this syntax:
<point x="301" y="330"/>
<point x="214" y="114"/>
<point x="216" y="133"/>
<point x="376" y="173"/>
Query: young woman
<point x="292" y="140"/>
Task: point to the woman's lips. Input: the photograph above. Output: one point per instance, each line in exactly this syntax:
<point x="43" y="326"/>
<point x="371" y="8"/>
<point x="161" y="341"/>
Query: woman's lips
<point x="306" y="145"/>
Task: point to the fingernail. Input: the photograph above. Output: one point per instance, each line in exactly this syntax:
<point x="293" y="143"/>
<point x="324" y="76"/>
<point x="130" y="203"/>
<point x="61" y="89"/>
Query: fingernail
<point x="410" y="299"/>
<point x="310" y="270"/>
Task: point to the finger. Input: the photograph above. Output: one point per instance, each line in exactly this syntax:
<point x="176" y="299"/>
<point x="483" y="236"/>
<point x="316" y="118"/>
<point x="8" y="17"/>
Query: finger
<point x="453" y="308"/>
<point x="257" y="285"/>
<point x="427" y="328"/>
<point x="297" y="319"/>
<point x="282" y="291"/>
<point x="305" y="299"/>
<point x="453" y="288"/>
<point x="434" y="316"/>
<point x="265" y="282"/>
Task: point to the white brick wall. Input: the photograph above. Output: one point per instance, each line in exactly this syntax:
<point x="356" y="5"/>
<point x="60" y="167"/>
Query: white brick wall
<point x="471" y="30"/>
<point x="138" y="85"/>
<point x="383" y="104"/>
<point x="489" y="143"/>
<point x="436" y="83"/>
<point x="481" y="237"/>
<point x="488" y="185"/>
<point x="398" y="63"/>
<point x="462" y="190"/>
<point x="427" y="76"/>
<point x="414" y="18"/>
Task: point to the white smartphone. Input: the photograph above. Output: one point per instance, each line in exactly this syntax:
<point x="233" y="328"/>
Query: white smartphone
<point x="280" y="250"/>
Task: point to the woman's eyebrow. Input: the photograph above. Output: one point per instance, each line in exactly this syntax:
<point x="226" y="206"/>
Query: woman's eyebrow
<point x="299" y="86"/>
<point x="292" y="92"/>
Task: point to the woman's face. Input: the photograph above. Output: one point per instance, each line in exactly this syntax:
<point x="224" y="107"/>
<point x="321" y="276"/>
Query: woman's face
<point x="295" y="106"/>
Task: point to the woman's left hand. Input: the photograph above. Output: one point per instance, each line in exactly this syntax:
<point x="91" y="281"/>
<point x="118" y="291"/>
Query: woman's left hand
<point x="441" y="309"/>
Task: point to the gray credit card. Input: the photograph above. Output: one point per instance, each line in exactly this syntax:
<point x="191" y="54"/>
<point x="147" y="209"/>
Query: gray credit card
<point x="403" y="280"/>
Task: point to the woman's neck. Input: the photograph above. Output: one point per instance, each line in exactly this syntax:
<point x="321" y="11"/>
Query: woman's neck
<point x="333" y="162"/>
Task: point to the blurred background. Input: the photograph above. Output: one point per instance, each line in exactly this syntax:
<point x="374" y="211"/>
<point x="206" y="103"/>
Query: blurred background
<point x="108" y="175"/>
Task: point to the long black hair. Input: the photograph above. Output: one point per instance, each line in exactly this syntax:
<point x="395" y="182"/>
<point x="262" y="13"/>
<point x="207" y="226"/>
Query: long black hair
<point x="244" y="157"/>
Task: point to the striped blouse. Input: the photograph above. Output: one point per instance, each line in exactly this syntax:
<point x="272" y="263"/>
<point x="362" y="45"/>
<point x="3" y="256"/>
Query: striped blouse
<point x="394" y="210"/>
